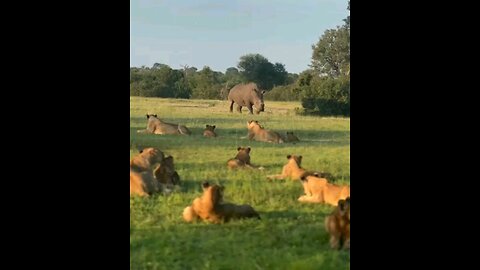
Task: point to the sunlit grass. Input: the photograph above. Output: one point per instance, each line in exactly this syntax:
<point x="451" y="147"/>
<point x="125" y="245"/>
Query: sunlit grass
<point x="290" y="235"/>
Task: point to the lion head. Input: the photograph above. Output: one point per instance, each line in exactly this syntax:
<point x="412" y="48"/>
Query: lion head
<point x="152" y="155"/>
<point x="212" y="193"/>
<point x="209" y="127"/>
<point x="297" y="159"/>
<point x="252" y="124"/>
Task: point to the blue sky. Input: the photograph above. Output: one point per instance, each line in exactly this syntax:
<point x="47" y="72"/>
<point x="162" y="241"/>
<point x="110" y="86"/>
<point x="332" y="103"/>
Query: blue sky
<point x="216" y="33"/>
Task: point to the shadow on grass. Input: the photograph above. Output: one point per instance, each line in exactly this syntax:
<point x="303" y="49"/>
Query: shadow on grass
<point x="285" y="214"/>
<point x="235" y="137"/>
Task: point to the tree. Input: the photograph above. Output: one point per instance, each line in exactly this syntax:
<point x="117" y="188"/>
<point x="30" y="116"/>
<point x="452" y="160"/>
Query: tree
<point x="331" y="55"/>
<point x="158" y="81"/>
<point x="329" y="95"/>
<point x="158" y="66"/>
<point x="347" y="20"/>
<point x="280" y="74"/>
<point x="205" y="84"/>
<point x="256" y="68"/>
<point x="232" y="71"/>
<point x="232" y="77"/>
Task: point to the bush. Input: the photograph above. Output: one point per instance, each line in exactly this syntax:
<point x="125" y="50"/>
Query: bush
<point x="284" y="93"/>
<point x="327" y="96"/>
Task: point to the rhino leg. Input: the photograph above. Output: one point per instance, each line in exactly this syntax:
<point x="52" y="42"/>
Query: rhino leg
<point x="250" y="108"/>
<point x="231" y="106"/>
<point x="239" y="108"/>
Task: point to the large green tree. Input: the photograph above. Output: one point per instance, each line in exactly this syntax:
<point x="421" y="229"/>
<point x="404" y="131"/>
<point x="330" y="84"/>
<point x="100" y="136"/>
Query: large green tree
<point x="256" y="68"/>
<point x="331" y="54"/>
<point x="326" y="90"/>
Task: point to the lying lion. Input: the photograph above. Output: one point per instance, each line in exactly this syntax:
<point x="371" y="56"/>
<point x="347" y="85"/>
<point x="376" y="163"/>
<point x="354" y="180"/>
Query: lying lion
<point x="291" y="137"/>
<point x="293" y="169"/>
<point x="210" y="207"/>
<point x="337" y="224"/>
<point x="242" y="159"/>
<point x="258" y="133"/>
<point x="157" y="126"/>
<point x="142" y="181"/>
<point x="318" y="190"/>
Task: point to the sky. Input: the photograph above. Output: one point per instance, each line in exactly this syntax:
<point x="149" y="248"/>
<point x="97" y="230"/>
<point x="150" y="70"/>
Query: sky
<point x="216" y="33"/>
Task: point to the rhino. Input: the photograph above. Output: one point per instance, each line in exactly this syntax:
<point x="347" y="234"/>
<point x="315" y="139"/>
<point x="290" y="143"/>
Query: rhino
<point x="246" y="95"/>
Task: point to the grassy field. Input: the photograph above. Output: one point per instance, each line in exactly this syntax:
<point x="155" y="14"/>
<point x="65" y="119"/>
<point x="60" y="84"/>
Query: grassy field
<point x="290" y="235"/>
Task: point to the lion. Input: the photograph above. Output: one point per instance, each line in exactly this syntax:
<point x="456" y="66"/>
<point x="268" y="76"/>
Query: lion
<point x="242" y="159"/>
<point x="319" y="190"/>
<point x="258" y="133"/>
<point x="146" y="159"/>
<point x="157" y="126"/>
<point x="337" y="224"/>
<point x="292" y="169"/>
<point x="142" y="181"/>
<point x="165" y="173"/>
<point x="209" y="131"/>
<point x="291" y="137"/>
<point x="210" y="207"/>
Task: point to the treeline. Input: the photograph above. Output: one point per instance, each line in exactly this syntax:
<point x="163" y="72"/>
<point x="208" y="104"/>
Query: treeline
<point x="160" y="80"/>
<point x="323" y="89"/>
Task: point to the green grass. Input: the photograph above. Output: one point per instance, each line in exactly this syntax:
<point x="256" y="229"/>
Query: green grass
<point x="290" y="235"/>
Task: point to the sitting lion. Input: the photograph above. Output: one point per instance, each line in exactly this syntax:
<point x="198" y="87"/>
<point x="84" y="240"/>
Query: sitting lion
<point x="157" y="126"/>
<point x="210" y="207"/>
<point x="209" y="131"/>
<point x="292" y="169"/>
<point x="165" y="173"/>
<point x="258" y="133"/>
<point x="142" y="181"/>
<point x="242" y="159"/>
<point x="337" y="224"/>
<point x="318" y="190"/>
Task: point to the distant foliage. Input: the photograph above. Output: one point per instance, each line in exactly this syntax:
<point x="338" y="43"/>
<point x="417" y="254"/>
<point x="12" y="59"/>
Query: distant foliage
<point x="158" y="81"/>
<point x="205" y="84"/>
<point x="327" y="96"/>
<point x="284" y="93"/>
